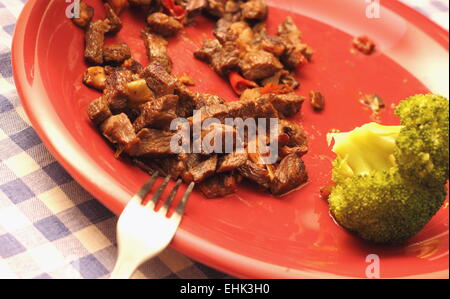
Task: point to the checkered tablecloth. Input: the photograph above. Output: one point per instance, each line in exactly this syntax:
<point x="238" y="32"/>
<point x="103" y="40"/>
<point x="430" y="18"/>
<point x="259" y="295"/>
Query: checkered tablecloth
<point x="49" y="226"/>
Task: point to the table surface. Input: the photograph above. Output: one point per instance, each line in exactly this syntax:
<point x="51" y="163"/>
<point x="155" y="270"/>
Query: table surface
<point x="50" y="227"/>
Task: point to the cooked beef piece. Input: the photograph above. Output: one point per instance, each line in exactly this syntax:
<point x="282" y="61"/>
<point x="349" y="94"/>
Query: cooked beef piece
<point x="172" y="166"/>
<point x="255" y="173"/>
<point x="364" y="44"/>
<point x="190" y="101"/>
<point x="159" y="80"/>
<point x="227" y="60"/>
<point x="157" y="113"/>
<point x="95" y="37"/>
<point x="216" y="7"/>
<point x="204" y="99"/>
<point x="260" y="108"/>
<point x="317" y="100"/>
<point x="119" y="130"/>
<point x="156" y="47"/>
<point x="85" y="17"/>
<point x="282" y="77"/>
<point x="271" y="44"/>
<point x="218" y="186"/>
<point x="118" y="5"/>
<point x="115" y="91"/>
<point x="298" y="150"/>
<point x="151" y="143"/>
<point x="223" y="59"/>
<point x="297" y="137"/>
<point x="232" y="161"/>
<point x="114" y="20"/>
<point x="296" y="52"/>
<point x="194" y="7"/>
<point x="201" y="171"/>
<point x="222" y="31"/>
<point x="116" y="54"/>
<point x="287" y="105"/>
<point x="95" y="77"/>
<point x="133" y="66"/>
<point x="257" y="65"/>
<point x="186" y="102"/>
<point x="209" y="48"/>
<point x="255" y="10"/>
<point x="289" y="175"/>
<point x="289" y="80"/>
<point x="163" y="24"/>
<point x="224" y="135"/>
<point x="98" y="111"/>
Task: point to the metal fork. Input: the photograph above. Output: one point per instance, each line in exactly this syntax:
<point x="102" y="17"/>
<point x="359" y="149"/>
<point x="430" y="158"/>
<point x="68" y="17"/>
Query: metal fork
<point x="142" y="232"/>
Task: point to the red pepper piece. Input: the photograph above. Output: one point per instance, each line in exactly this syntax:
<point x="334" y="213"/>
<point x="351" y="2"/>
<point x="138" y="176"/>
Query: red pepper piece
<point x="239" y="84"/>
<point x="176" y="11"/>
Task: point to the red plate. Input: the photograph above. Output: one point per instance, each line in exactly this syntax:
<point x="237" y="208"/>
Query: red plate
<point x="250" y="234"/>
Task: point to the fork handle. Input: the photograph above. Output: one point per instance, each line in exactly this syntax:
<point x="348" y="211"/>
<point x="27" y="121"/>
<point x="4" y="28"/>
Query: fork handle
<point x="122" y="270"/>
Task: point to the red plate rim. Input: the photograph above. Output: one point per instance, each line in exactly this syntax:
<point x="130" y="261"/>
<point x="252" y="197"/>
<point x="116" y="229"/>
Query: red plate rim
<point x="185" y="242"/>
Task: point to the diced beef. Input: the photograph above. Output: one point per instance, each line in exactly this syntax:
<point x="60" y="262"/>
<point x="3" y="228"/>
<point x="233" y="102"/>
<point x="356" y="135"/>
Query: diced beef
<point x="271" y="44"/>
<point x="257" y="65"/>
<point x="137" y="3"/>
<point x="317" y="100"/>
<point x="157" y="113"/>
<point x="116" y="54"/>
<point x="287" y="105"/>
<point x="223" y="59"/>
<point x="194" y="7"/>
<point x="260" y="108"/>
<point x="114" y="20"/>
<point x="98" y="111"/>
<point x="224" y="135"/>
<point x="133" y="66"/>
<point x="294" y="131"/>
<point x="95" y="77"/>
<point x="227" y="60"/>
<point x="186" y="102"/>
<point x="156" y="47"/>
<point x="218" y="186"/>
<point x="115" y="91"/>
<point x="202" y="171"/>
<point x="298" y="150"/>
<point x="163" y="24"/>
<point x="216" y="7"/>
<point x="159" y="80"/>
<point x="289" y="175"/>
<point x="255" y="10"/>
<point x="95" y="37"/>
<point x="364" y="44"/>
<point x="204" y="99"/>
<point x="255" y="173"/>
<point x="152" y="143"/>
<point x="172" y="166"/>
<point x="296" y="52"/>
<point x="85" y="17"/>
<point x="232" y="161"/>
<point x="119" y="130"/>
<point x="282" y="77"/>
<point x="209" y="48"/>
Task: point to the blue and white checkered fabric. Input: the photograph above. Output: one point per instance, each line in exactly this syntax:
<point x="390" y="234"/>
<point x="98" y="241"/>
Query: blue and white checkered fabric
<point x="49" y="226"/>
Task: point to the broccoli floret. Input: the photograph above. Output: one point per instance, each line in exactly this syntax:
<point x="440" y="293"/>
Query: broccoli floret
<point x="422" y="154"/>
<point x="390" y="180"/>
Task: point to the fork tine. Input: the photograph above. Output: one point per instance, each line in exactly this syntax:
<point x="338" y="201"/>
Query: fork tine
<point x="160" y="190"/>
<point x="180" y="208"/>
<point x="169" y="200"/>
<point x="140" y="195"/>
